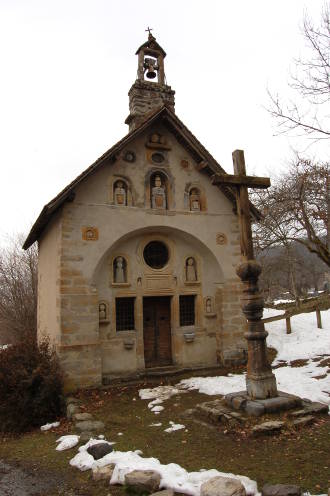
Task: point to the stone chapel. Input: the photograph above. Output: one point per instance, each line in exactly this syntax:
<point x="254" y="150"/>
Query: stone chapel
<point x="137" y="255"/>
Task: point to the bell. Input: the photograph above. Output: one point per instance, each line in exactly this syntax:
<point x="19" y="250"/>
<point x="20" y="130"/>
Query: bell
<point x="151" y="73"/>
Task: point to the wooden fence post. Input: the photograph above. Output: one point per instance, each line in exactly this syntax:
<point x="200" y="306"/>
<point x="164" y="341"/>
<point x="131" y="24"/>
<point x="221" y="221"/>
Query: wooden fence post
<point x="288" y="325"/>
<point x="318" y="318"/>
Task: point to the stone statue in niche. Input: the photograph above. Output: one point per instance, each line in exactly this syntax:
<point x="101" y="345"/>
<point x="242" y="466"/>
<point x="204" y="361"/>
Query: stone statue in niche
<point x="119" y="270"/>
<point x="195" y="201"/>
<point x="102" y="311"/>
<point x="191" y="274"/>
<point x="208" y="305"/>
<point x="158" y="195"/>
<point x="120" y="193"/>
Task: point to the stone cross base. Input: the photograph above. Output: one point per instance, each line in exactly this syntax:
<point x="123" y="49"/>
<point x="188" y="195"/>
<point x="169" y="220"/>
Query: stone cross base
<point x="281" y="402"/>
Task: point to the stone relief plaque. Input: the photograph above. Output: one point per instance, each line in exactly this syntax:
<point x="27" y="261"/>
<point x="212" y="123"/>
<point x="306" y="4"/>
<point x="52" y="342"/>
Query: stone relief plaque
<point x="90" y="233"/>
<point x="221" y="239"/>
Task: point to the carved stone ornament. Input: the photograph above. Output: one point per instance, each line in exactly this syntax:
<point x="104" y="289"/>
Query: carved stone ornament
<point x="157" y="141"/>
<point x="221" y="239"/>
<point x="90" y="233"/>
<point x="129" y="156"/>
<point x="184" y="164"/>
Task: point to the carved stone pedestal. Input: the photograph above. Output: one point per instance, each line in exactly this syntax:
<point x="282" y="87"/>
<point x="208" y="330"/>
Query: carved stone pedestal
<point x="260" y="380"/>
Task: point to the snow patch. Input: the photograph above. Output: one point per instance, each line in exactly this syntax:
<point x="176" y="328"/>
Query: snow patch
<point x="173" y="476"/>
<point x="46" y="427"/>
<point x="174" y="427"/>
<point x="67" y="442"/>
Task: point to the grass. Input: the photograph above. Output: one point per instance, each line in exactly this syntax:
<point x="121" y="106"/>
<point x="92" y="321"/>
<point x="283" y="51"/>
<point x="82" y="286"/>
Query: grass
<point x="294" y="457"/>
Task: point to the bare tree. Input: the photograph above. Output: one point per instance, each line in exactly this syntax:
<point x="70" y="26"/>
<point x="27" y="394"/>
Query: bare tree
<point x="18" y="290"/>
<point x="308" y="111"/>
<point x="297" y="208"/>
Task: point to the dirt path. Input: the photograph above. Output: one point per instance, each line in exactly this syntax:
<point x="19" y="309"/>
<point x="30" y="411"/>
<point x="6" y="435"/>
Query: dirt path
<point x="15" y="481"/>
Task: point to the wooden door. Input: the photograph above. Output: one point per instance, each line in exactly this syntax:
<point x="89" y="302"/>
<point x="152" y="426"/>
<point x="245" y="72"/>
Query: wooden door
<point x="157" y="331"/>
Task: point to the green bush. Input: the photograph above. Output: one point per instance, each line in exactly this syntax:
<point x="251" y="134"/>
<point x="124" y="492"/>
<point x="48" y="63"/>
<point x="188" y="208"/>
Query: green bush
<point x="31" y="385"/>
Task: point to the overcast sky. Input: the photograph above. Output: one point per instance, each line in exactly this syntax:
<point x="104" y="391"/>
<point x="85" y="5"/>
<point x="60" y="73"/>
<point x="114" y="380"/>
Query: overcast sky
<point x="67" y="65"/>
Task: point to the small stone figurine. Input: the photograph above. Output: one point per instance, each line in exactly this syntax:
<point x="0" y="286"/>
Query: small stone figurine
<point x="119" y="270"/>
<point x="191" y="270"/>
<point x="158" y="195"/>
<point x="208" y="305"/>
<point x="195" y="204"/>
<point x="120" y="194"/>
<point x="102" y="311"/>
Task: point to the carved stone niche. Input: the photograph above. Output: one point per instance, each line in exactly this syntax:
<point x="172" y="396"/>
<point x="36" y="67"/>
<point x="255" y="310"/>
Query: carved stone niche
<point x="209" y="310"/>
<point x="103" y="312"/>
<point x="156" y="141"/>
<point x="90" y="233"/>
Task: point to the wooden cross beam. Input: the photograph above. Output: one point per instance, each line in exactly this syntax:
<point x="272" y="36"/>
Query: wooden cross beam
<point x="241" y="182"/>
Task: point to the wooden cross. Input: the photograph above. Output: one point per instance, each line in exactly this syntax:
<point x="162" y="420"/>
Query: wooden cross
<point x="149" y="30"/>
<point x="241" y="182"/>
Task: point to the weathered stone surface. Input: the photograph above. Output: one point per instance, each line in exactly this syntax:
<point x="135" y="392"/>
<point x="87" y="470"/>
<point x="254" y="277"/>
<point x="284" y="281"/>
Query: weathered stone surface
<point x="90" y="425"/>
<point x="143" y="480"/>
<point x="280" y="403"/>
<point x="70" y="400"/>
<point x="85" y="436"/>
<point x="268" y="427"/>
<point x="280" y="490"/>
<point x="238" y="402"/>
<point x="82" y="416"/>
<point x="254" y="408"/>
<point x="222" y="486"/>
<point x="103" y="473"/>
<point x="99" y="450"/>
<point x="165" y="492"/>
<point x="307" y="419"/>
<point x="71" y="409"/>
<point x="317" y="408"/>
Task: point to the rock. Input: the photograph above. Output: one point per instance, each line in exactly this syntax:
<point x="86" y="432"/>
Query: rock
<point x="70" y="400"/>
<point x="165" y="492"/>
<point x="281" y="403"/>
<point x="280" y="490"/>
<point x="143" y="480"/>
<point x="316" y="407"/>
<point x="90" y="425"/>
<point x="268" y="427"/>
<point x="222" y="486"/>
<point x="308" y="419"/>
<point x="103" y="473"/>
<point x="238" y="402"/>
<point x="85" y="436"/>
<point x="71" y="409"/>
<point x="254" y="408"/>
<point x="99" y="450"/>
<point x="82" y="416"/>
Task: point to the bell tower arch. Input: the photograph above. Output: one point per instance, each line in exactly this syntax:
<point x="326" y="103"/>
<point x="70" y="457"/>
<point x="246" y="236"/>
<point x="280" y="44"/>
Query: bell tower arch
<point x="150" y="90"/>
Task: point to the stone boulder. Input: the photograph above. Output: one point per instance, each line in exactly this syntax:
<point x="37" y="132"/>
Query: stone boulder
<point x="280" y="490"/>
<point x="222" y="486"/>
<point x="103" y="473"/>
<point x="71" y="410"/>
<point x="90" y="425"/>
<point x="270" y="427"/>
<point x="82" y="416"/>
<point x="143" y="481"/>
<point x="165" y="492"/>
<point x="99" y="450"/>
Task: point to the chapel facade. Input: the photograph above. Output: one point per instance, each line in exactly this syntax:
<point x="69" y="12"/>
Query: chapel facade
<point x="137" y="255"/>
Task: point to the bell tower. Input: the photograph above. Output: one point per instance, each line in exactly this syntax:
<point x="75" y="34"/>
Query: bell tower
<point x="150" y="90"/>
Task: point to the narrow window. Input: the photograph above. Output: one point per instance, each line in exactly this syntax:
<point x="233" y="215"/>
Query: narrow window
<point x="125" y="314"/>
<point x="187" y="310"/>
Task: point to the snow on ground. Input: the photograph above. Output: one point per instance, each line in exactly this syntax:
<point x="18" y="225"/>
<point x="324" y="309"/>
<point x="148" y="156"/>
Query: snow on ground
<point x="67" y="442"/>
<point x="173" y="476"/>
<point x="174" y="427"/>
<point x="306" y="342"/>
<point x="46" y="427"/>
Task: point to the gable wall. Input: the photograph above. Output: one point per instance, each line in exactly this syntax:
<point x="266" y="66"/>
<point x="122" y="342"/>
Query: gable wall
<point x="84" y="353"/>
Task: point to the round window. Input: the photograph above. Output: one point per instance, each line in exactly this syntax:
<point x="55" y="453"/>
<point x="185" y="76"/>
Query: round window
<point x="155" y="254"/>
<point x="158" y="157"/>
